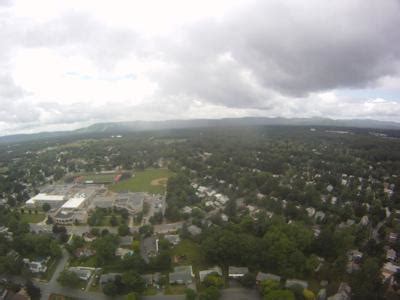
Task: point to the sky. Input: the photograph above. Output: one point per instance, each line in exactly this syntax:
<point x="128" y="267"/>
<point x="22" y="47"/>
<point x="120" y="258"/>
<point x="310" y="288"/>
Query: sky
<point x="68" y="64"/>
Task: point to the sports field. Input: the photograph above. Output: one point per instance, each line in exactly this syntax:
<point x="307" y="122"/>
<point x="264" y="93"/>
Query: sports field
<point x="150" y="180"/>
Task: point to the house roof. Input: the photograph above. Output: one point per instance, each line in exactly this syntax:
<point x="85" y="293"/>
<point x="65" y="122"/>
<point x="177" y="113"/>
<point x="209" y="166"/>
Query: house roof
<point x="108" y="277"/>
<point x="293" y="282"/>
<point x="182" y="274"/>
<point x="238" y="270"/>
<point x="82" y="273"/>
<point x="172" y="238"/>
<point x="194" y="230"/>
<point x="267" y="276"/>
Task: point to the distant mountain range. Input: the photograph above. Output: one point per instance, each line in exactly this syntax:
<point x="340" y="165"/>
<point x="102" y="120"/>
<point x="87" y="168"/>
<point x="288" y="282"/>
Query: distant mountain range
<point x="136" y="126"/>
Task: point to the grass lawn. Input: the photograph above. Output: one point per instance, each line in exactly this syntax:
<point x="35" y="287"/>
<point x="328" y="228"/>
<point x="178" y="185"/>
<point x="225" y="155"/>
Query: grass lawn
<point x="32" y="218"/>
<point x="105" y="221"/>
<point x="95" y="289"/>
<point x="175" y="289"/>
<point x="150" y="180"/>
<point x="83" y="262"/>
<point x="150" y="291"/>
<point x="190" y="254"/>
<point x="51" y="268"/>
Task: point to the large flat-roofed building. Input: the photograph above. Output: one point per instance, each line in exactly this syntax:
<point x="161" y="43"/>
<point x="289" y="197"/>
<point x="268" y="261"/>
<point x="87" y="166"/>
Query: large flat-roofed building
<point x="54" y="195"/>
<point x="105" y="200"/>
<point x="66" y="217"/>
<point x="75" y="208"/>
<point x="75" y="202"/>
<point x="132" y="202"/>
<point x="53" y="200"/>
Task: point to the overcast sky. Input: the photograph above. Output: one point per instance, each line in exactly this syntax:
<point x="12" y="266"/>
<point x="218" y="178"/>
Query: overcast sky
<point x="67" y="64"/>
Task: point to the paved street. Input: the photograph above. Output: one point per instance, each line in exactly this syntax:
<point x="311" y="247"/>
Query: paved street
<point x="240" y="294"/>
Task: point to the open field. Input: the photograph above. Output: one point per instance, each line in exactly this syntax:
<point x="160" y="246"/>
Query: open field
<point x="176" y="289"/>
<point x="32" y="218"/>
<point x="150" y="180"/>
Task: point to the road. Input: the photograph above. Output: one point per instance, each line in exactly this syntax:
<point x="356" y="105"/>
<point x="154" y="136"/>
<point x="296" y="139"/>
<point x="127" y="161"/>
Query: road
<point x="375" y="231"/>
<point x="79" y="230"/>
<point x="240" y="294"/>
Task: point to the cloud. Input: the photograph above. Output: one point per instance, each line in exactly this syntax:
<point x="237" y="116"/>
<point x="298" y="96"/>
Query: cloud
<point x="290" y="48"/>
<point x="65" y="66"/>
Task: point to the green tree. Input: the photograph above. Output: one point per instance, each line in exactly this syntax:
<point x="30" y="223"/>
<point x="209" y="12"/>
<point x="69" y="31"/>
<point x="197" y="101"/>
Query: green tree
<point x="46" y="207"/>
<point x="190" y="294"/>
<point x="113" y="221"/>
<point x="213" y="280"/>
<point x="210" y="293"/>
<point x="133" y="281"/>
<point x="110" y="289"/>
<point x="267" y="286"/>
<point x="123" y="230"/>
<point x="105" y="248"/>
<point x="308" y="295"/>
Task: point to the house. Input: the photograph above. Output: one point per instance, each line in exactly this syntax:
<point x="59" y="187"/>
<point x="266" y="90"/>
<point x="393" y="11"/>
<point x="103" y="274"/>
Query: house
<point x="224" y="217"/>
<point x="149" y="248"/>
<point x="148" y="279"/>
<point x="296" y="282"/>
<point x="39" y="266"/>
<point x="174" y="239"/>
<point x="266" y="276"/>
<point x="121" y="252"/>
<point x="222" y="199"/>
<point x="204" y="273"/>
<point x="391" y="254"/>
<point x="187" y="210"/>
<point x="109" y="277"/>
<point x="343" y="293"/>
<point x="354" y="255"/>
<point x="352" y="267"/>
<point x="6" y="233"/>
<point x="194" y="230"/>
<point x="364" y="221"/>
<point x="84" y="252"/>
<point x="347" y="224"/>
<point x="151" y="279"/>
<point x="126" y="240"/>
<point x="89" y="237"/>
<point x="393" y="237"/>
<point x="236" y="272"/>
<point x="82" y="272"/>
<point x="388" y="270"/>
<point x="181" y="275"/>
<point x="310" y="211"/>
<point x="319" y="216"/>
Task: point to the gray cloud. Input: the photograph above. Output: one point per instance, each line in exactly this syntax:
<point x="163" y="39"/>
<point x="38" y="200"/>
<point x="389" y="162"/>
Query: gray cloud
<point x="289" y="48"/>
<point x="269" y="57"/>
